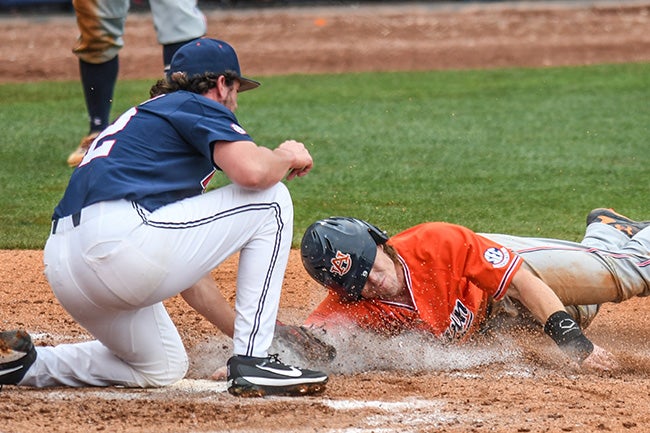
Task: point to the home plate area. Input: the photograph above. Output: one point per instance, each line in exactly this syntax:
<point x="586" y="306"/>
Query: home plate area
<point x="411" y="414"/>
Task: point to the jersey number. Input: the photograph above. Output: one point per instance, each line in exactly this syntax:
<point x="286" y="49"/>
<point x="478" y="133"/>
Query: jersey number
<point x="101" y="149"/>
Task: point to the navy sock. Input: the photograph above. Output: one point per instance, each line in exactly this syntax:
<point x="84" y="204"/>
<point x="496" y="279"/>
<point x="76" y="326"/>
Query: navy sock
<point x="169" y="50"/>
<point x="98" y="81"/>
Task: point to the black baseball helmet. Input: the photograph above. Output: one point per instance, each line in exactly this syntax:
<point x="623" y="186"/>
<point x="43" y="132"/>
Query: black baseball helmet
<point x="339" y="252"/>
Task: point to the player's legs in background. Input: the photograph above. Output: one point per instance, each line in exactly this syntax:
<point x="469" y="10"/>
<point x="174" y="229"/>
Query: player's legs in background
<point x="176" y="22"/>
<point x="101" y="26"/>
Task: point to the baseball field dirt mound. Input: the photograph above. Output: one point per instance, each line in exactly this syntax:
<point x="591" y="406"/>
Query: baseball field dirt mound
<point x="517" y="383"/>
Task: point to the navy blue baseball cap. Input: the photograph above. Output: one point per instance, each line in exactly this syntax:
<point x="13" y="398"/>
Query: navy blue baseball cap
<point x="209" y="55"/>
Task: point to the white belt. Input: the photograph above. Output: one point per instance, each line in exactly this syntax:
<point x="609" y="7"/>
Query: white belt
<point x="89" y="212"/>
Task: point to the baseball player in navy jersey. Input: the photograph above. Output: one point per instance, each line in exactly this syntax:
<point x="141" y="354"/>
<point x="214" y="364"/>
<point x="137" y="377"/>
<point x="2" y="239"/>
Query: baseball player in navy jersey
<point x="135" y="227"/>
<point x="101" y="27"/>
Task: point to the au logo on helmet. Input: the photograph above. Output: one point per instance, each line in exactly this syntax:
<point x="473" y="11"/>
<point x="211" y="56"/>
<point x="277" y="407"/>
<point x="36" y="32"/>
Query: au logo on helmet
<point x="341" y="263"/>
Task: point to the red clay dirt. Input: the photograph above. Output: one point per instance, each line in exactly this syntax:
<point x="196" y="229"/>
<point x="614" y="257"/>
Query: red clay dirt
<point x="505" y="384"/>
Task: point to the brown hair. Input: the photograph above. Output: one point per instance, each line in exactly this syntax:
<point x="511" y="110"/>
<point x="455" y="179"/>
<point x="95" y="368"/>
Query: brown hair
<point x="200" y="84"/>
<point x="391" y="252"/>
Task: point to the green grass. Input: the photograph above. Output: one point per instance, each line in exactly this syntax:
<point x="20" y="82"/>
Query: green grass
<point x="521" y="151"/>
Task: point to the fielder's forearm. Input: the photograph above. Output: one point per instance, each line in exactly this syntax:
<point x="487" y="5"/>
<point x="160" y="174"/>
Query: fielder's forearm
<point x="206" y="298"/>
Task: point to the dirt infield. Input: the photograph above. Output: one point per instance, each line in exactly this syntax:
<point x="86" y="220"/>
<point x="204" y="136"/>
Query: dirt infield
<point x="363" y="38"/>
<point x="511" y="383"/>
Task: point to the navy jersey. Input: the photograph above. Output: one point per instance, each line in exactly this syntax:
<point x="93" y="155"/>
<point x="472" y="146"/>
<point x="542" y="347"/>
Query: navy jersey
<point x="154" y="154"/>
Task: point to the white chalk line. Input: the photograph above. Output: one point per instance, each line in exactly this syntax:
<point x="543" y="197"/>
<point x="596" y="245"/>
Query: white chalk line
<point x="411" y="414"/>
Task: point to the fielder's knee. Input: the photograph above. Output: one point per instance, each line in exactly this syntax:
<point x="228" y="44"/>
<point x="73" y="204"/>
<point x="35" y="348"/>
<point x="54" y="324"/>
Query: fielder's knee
<point x="283" y="196"/>
<point x="172" y="373"/>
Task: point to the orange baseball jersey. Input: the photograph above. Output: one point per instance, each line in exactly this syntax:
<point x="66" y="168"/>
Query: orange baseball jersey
<point x="451" y="273"/>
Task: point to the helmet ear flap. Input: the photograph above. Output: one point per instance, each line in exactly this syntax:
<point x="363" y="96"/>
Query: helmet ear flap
<point x="379" y="236"/>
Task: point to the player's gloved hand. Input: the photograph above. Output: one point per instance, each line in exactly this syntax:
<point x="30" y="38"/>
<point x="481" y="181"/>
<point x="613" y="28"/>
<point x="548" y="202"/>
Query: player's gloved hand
<point x="305" y="342"/>
<point x="600" y="360"/>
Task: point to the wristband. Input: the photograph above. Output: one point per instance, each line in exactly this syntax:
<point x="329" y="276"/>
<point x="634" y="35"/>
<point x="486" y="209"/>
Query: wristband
<point x="566" y="333"/>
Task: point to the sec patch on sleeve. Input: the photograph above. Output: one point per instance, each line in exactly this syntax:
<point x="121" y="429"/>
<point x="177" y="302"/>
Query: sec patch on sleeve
<point x="498" y="257"/>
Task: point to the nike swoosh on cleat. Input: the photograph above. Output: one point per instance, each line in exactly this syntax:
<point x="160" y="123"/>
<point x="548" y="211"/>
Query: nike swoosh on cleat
<point x="293" y="372"/>
<point x="10" y="370"/>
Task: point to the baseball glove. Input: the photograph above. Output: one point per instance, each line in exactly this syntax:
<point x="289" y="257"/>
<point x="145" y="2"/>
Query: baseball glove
<point x="304" y="342"/>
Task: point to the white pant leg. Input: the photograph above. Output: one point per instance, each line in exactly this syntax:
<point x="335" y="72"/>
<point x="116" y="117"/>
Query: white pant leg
<point x="177" y="20"/>
<point x="144" y="350"/>
<point x="640" y="243"/>
<point x="576" y="275"/>
<point x="629" y="259"/>
<point x="604" y="237"/>
<point x="637" y="269"/>
<point x="205" y="230"/>
<point x="134" y="347"/>
<point x="113" y="271"/>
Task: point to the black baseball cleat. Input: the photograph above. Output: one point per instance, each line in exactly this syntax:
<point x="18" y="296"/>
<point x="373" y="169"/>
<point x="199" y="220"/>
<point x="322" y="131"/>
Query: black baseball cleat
<point x="249" y="376"/>
<point x="616" y="220"/>
<point x="17" y="354"/>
